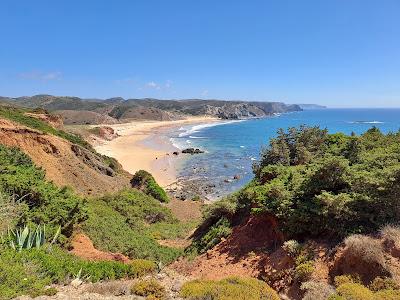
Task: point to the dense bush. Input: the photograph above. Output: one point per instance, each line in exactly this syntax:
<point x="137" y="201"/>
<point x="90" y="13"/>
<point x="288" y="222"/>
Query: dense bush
<point x="126" y="221"/>
<point x="149" y="288"/>
<point x="303" y="271"/>
<point x="355" y="291"/>
<point x="41" y="202"/>
<point x="229" y="288"/>
<point x="29" y="272"/>
<point x="145" y="182"/>
<point x="320" y="184"/>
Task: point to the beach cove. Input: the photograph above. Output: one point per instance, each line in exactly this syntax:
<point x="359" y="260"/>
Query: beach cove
<point x="145" y="145"/>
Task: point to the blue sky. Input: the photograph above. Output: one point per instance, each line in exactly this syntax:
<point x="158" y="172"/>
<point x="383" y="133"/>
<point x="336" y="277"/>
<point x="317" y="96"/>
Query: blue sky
<point x="337" y="53"/>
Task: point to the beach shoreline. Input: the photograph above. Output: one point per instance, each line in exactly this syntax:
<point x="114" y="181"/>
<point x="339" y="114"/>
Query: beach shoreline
<point x="145" y="145"/>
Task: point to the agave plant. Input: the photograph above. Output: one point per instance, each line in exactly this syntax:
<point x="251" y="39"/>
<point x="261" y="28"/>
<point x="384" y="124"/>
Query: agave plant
<point x="27" y="238"/>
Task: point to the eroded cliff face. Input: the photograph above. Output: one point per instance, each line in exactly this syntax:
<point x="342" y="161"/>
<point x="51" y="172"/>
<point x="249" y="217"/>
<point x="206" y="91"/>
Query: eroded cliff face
<point x="66" y="164"/>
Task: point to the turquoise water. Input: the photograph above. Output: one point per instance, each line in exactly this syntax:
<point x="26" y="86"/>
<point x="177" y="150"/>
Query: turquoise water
<point x="232" y="147"/>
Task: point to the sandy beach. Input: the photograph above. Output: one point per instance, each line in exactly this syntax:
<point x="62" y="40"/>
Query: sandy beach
<point x="144" y="145"/>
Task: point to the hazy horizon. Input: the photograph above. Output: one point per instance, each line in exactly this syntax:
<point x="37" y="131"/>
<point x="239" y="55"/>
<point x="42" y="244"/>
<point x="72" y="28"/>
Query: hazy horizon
<point x="311" y="52"/>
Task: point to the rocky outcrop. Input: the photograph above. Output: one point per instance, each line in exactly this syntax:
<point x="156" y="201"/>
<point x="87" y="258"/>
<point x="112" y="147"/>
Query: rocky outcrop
<point x="192" y="151"/>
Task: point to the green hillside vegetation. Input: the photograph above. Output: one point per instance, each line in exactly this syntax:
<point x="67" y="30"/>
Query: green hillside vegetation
<point x="39" y="201"/>
<point x="319" y="184"/>
<point x="129" y="222"/>
<point x="30" y="271"/>
<point x="229" y="288"/>
<point x="145" y="182"/>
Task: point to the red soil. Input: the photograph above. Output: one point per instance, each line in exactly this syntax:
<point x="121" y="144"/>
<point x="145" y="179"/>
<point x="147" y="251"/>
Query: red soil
<point x="251" y="250"/>
<point x="83" y="247"/>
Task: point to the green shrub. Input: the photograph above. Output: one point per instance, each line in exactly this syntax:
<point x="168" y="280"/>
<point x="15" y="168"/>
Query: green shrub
<point x="303" y="271"/>
<point x="145" y="182"/>
<point x="41" y="202"/>
<point x="123" y="222"/>
<point x="385" y="283"/>
<point x="319" y="184"/>
<point x="292" y="248"/>
<point x="30" y="271"/>
<point x="388" y="294"/>
<point x="212" y="237"/>
<point x="229" y="288"/>
<point x="141" y="267"/>
<point x="342" y="279"/>
<point x="353" y="291"/>
<point x="18" y="277"/>
<point x="149" y="288"/>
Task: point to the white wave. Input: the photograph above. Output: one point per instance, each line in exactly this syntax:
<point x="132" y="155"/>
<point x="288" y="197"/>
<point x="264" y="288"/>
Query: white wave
<point x="197" y="128"/>
<point x="197" y="137"/>
<point x="241" y="146"/>
<point x="366" y="122"/>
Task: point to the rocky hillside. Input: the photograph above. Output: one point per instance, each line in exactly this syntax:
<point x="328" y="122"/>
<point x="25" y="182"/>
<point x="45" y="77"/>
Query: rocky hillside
<point x="75" y="110"/>
<point x="67" y="162"/>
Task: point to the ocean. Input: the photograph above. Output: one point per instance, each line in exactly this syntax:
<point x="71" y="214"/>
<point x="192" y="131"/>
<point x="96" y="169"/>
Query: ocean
<point x="233" y="146"/>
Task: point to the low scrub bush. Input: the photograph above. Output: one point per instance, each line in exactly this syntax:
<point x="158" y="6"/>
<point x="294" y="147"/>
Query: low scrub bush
<point x="384" y="283"/>
<point x="342" y="279"/>
<point x="292" y="248"/>
<point x="229" y="288"/>
<point x="353" y="291"/>
<point x="388" y="294"/>
<point x="141" y="267"/>
<point x="117" y="223"/>
<point x="40" y="201"/>
<point x="28" y="272"/>
<point x="10" y="211"/>
<point x="303" y="271"/>
<point x="145" y="182"/>
<point x="366" y="248"/>
<point x="391" y="235"/>
<point x="149" y="288"/>
<point x="315" y="290"/>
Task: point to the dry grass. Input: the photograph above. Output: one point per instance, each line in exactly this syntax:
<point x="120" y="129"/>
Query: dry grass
<point x="9" y="211"/>
<point x="391" y="235"/>
<point x="315" y="290"/>
<point x="113" y="288"/>
<point x="366" y="248"/>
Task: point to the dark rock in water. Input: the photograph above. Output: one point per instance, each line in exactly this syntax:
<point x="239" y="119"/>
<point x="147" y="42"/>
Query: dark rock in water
<point x="226" y="166"/>
<point x="237" y="177"/>
<point x="192" y="151"/>
<point x="175" y="153"/>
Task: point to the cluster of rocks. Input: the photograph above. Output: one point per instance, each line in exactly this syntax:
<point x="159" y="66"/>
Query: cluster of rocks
<point x="189" y="151"/>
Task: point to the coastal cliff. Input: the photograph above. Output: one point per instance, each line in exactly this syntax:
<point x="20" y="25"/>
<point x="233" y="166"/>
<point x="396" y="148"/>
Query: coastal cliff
<point x="75" y="110"/>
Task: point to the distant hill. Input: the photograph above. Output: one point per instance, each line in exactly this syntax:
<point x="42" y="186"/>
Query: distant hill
<point x="92" y="111"/>
<point x="311" y="106"/>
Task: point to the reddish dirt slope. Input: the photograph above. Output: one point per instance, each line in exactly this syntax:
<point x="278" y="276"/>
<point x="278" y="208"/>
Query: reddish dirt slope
<point x="251" y="250"/>
<point x="65" y="164"/>
<point x="83" y="247"/>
